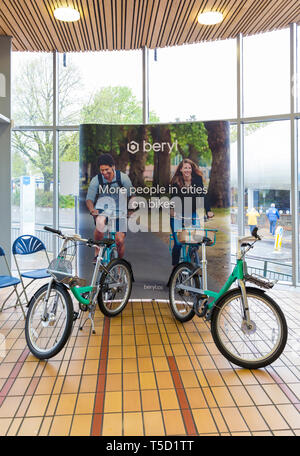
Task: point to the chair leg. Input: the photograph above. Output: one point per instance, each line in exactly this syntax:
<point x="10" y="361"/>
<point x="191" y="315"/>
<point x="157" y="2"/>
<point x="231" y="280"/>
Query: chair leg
<point x="19" y="303"/>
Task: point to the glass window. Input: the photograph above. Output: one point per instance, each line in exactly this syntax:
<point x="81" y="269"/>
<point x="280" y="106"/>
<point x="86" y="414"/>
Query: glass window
<point x="267" y="197"/>
<point x="32" y="89"/>
<point x="193" y="82"/>
<point x="68" y="180"/>
<point x="32" y="189"/>
<point x="267" y="73"/>
<point x="100" y="87"/>
<point x="233" y="190"/>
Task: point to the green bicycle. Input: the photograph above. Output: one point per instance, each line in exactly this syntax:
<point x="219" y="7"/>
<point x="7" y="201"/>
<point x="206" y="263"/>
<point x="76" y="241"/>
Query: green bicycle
<point x="247" y="326"/>
<point x="50" y="316"/>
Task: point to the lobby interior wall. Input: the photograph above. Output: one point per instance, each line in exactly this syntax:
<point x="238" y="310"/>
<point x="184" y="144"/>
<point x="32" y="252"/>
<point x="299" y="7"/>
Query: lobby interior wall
<point x="5" y="148"/>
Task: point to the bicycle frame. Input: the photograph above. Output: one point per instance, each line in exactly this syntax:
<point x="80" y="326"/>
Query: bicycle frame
<point x="237" y="274"/>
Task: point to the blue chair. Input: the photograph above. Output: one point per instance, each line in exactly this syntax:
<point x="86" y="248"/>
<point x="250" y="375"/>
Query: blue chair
<point x="10" y="281"/>
<point x="27" y="245"/>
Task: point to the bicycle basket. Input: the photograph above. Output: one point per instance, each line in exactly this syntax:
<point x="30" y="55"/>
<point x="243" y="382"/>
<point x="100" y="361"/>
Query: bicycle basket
<point x="60" y="268"/>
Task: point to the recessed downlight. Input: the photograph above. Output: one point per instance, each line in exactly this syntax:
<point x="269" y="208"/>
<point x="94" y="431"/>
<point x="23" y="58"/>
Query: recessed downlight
<point x="67" y="14"/>
<point x="210" y="18"/>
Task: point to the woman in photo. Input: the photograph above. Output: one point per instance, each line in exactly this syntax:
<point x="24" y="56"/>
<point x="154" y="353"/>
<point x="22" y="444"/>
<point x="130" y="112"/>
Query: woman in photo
<point x="187" y="184"/>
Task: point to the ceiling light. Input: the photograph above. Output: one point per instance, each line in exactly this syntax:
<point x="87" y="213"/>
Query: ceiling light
<point x="210" y="18"/>
<point x="66" y="14"/>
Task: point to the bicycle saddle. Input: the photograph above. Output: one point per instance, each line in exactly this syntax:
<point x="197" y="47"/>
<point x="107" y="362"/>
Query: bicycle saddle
<point x="108" y="242"/>
<point x="203" y="240"/>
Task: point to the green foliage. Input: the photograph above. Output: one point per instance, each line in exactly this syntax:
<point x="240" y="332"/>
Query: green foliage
<point x="45" y="199"/>
<point x="248" y="129"/>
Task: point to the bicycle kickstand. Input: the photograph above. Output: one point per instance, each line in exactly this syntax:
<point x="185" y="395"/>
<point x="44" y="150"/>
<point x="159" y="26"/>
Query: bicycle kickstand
<point x="90" y="317"/>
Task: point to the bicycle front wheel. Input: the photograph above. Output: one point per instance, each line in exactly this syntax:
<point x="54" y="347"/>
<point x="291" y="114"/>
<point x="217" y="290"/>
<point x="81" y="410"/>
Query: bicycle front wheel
<point x="250" y="346"/>
<point x="181" y="300"/>
<point x="49" y="325"/>
<point x="115" y="288"/>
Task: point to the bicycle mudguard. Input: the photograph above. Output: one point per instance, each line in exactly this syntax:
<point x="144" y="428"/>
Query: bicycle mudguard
<point x="229" y="292"/>
<point x="129" y="265"/>
<point x="54" y="285"/>
<point x="176" y="265"/>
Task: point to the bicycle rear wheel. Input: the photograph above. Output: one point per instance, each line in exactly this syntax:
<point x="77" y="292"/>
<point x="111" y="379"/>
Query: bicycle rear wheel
<point x="255" y="346"/>
<point x="182" y="301"/>
<point x="115" y="288"/>
<point x="47" y="330"/>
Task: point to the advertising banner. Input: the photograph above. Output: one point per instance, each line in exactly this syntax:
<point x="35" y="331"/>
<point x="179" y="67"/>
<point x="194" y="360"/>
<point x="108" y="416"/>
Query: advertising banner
<point x="154" y="187"/>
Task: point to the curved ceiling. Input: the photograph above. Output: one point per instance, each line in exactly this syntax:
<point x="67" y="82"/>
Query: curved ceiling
<point x="132" y="24"/>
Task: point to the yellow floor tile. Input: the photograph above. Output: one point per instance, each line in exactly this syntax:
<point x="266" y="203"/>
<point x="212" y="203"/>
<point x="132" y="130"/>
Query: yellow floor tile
<point x="61" y="425"/>
<point x="38" y="405"/>
<point x="273" y="417"/>
<point x="276" y="394"/>
<point x="153" y="422"/>
<point x="19" y="387"/>
<point x="164" y="380"/>
<point x="75" y="367"/>
<point x="204" y="421"/>
<point x="113" y="382"/>
<point x="71" y="384"/>
<point x="91" y="367"/>
<point x="129" y="351"/>
<point x="157" y="350"/>
<point x="133" y="424"/>
<point x="173" y="422"/>
<point x="85" y="403"/>
<point x="4" y="425"/>
<point x="131" y="401"/>
<point x="45" y="385"/>
<point x="131" y="381"/>
<point x="234" y="419"/>
<point x="150" y="400"/>
<point x="9" y="406"/>
<point x="114" y="366"/>
<point x="214" y="378"/>
<point x="45" y="426"/>
<point x="219" y="421"/>
<point x="112" y="424"/>
<point x="81" y="425"/>
<point x="66" y="404"/>
<point x="145" y="365"/>
<point x="30" y="427"/>
<point x="291" y="415"/>
<point x="113" y="402"/>
<point x="195" y="398"/>
<point x="240" y="396"/>
<point x="160" y="363"/>
<point x="189" y="379"/>
<point x="115" y="352"/>
<point x="143" y="351"/>
<point x="147" y="380"/>
<point x="130" y="365"/>
<point x="88" y="384"/>
<point x="254" y="419"/>
<point x="168" y="399"/>
<point x="52" y="405"/>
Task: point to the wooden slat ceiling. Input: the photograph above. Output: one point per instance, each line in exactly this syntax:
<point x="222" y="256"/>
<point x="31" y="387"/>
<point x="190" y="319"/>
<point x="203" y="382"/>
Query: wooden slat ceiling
<point x="132" y="24"/>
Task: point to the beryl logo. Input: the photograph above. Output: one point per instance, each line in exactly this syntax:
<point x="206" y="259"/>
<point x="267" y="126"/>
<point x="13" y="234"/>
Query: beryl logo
<point x="133" y="147"/>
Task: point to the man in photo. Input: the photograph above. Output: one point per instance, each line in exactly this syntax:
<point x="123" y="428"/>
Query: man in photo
<point x="103" y="201"/>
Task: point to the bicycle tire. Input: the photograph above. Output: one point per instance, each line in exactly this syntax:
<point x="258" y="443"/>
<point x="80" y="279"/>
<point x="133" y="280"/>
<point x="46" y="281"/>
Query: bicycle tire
<point x="254" y="346"/>
<point x="194" y="256"/>
<point x="107" y="297"/>
<point x="183" y="309"/>
<point x="47" y="331"/>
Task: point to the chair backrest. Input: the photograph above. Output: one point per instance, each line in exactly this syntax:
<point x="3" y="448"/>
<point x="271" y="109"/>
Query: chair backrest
<point x="2" y="253"/>
<point x="27" y="244"/>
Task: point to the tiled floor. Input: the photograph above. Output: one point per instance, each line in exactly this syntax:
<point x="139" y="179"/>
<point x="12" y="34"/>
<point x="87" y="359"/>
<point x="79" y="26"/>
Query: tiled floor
<point x="145" y="374"/>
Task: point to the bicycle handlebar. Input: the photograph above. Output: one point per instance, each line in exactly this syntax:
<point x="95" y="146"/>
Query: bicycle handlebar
<point x="52" y="230"/>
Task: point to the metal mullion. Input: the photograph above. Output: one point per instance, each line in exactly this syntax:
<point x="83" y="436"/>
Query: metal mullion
<point x="240" y="136"/>
<point x="294" y="154"/>
<point x="145" y="65"/>
<point x="55" y="151"/>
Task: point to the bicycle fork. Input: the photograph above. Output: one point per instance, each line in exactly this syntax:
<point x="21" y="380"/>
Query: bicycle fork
<point x="246" y="317"/>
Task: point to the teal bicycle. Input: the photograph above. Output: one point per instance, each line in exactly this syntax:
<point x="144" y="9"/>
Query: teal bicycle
<point x="51" y="313"/>
<point x="247" y="326"/>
